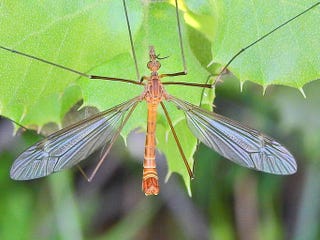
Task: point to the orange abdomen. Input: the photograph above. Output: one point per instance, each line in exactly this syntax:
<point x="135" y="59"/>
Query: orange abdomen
<point x="150" y="184"/>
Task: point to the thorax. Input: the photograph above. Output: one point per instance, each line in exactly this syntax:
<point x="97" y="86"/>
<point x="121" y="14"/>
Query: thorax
<point x="154" y="92"/>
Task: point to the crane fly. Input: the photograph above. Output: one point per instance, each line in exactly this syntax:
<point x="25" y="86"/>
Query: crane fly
<point x="234" y="141"/>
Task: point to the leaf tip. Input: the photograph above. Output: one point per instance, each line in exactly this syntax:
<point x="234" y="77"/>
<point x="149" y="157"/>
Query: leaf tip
<point x="241" y="85"/>
<point x="81" y="107"/>
<point x="187" y="182"/>
<point x="15" y="129"/>
<point x="168" y="176"/>
<point x="302" y="92"/>
<point x="125" y="139"/>
<point x="210" y="63"/>
<point x="264" y="89"/>
<point x="189" y="191"/>
<point x="39" y="129"/>
<point x="23" y="115"/>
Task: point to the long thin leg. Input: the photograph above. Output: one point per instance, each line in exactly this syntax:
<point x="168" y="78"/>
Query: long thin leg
<point x="18" y="124"/>
<point x="70" y="69"/>
<point x="180" y="41"/>
<point x="112" y="141"/>
<point x="184" y="72"/>
<point x="83" y="173"/>
<point x="177" y="141"/>
<point x="131" y="40"/>
<point x="202" y="85"/>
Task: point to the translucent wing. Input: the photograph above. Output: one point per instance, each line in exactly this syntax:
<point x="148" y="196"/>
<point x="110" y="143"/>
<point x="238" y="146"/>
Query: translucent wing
<point x="70" y="145"/>
<point x="240" y="144"/>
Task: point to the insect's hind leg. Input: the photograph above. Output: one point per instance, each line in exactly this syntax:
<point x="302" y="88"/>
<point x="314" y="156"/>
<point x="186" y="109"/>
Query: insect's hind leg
<point x="185" y="161"/>
<point x="83" y="173"/>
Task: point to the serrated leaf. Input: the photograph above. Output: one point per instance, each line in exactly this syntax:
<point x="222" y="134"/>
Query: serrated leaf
<point x="288" y="57"/>
<point x="92" y="38"/>
<point x="75" y="35"/>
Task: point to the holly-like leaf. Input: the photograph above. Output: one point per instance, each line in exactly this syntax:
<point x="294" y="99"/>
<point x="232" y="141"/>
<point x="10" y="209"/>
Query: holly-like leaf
<point x="75" y="35"/>
<point x="289" y="56"/>
<point x="93" y="38"/>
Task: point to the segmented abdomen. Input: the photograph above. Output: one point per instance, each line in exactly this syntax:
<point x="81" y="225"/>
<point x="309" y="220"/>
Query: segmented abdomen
<point x="150" y="184"/>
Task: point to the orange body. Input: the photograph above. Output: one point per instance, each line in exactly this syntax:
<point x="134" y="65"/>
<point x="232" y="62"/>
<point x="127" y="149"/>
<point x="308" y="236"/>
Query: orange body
<point x="153" y="94"/>
<point x="150" y="184"/>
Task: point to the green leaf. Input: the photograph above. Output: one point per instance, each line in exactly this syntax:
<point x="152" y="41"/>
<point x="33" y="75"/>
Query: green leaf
<point x="288" y="57"/>
<point x="66" y="32"/>
<point x="92" y="37"/>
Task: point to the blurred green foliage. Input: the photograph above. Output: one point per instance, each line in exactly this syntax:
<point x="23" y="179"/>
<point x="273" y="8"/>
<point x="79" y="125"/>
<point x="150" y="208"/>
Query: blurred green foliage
<point x="228" y="202"/>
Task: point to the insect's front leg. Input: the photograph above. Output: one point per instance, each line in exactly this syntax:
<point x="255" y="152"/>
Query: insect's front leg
<point x="143" y="78"/>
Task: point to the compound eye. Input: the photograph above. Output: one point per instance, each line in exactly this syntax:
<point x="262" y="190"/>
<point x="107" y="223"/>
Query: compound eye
<point x="149" y="65"/>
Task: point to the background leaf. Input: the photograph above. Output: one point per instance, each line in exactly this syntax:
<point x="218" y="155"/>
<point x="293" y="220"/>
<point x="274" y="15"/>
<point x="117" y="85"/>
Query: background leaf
<point x="287" y="57"/>
<point x="92" y="37"/>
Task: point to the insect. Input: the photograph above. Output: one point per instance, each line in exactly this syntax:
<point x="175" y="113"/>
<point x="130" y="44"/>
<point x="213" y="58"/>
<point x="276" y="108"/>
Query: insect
<point x="236" y="142"/>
